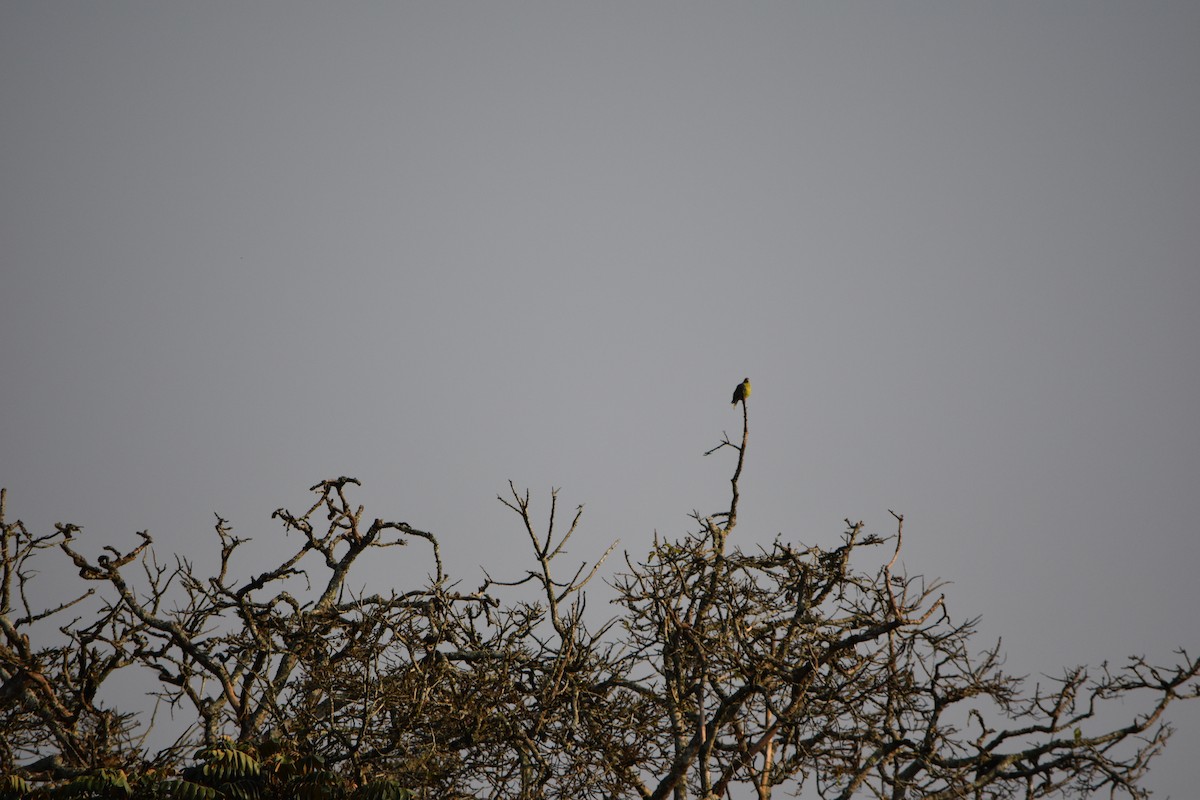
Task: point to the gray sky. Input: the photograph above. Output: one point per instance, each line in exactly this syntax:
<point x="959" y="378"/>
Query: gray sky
<point x="246" y="247"/>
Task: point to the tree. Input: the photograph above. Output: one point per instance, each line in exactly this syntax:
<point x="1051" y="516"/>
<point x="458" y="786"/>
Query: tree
<point x="725" y="671"/>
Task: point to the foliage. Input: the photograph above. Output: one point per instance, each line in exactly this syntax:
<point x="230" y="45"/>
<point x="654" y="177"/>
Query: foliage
<point x="723" y="672"/>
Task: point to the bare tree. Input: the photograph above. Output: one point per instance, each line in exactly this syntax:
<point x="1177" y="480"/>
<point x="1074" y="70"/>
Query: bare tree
<point x="48" y="707"/>
<point x="724" y="672"/>
<point x="795" y="666"/>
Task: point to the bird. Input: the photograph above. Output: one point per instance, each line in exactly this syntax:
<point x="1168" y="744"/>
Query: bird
<point x="741" y="392"/>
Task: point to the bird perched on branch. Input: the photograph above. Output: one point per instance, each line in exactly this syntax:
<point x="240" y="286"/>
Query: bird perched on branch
<point x="741" y="392"/>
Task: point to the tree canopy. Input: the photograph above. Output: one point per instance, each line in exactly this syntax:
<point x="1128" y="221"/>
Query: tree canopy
<point x="723" y="672"/>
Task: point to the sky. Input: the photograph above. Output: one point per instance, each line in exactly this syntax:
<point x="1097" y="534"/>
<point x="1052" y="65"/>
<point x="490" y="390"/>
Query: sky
<point x="245" y="247"/>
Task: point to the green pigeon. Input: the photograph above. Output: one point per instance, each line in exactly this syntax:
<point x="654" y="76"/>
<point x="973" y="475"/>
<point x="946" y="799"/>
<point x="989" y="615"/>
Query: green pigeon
<point x="741" y="392"/>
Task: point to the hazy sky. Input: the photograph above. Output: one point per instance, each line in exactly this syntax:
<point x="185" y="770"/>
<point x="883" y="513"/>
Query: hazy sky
<point x="956" y="246"/>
